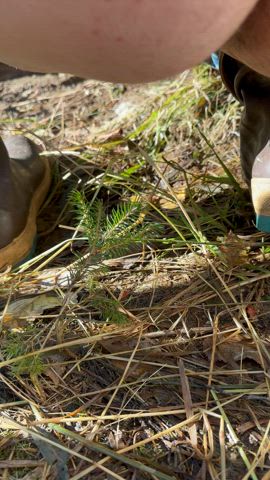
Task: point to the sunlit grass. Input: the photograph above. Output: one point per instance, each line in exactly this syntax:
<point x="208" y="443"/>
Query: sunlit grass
<point x="155" y="364"/>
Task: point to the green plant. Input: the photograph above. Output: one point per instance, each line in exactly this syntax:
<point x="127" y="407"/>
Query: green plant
<point x="16" y="347"/>
<point x="113" y="234"/>
<point x="110" y="235"/>
<point x="109" y="307"/>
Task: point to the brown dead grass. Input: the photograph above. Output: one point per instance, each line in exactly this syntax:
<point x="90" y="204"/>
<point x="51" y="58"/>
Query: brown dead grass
<point x="181" y="390"/>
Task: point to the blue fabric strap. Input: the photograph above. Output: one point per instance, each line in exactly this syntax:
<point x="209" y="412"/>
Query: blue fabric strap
<point x="263" y="223"/>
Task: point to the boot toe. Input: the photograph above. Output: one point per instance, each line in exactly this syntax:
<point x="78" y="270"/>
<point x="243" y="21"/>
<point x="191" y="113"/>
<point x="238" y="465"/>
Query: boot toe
<point x="24" y="184"/>
<point x="20" y="148"/>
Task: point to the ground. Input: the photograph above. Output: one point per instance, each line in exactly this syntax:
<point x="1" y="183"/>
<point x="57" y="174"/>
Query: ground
<point x="135" y="343"/>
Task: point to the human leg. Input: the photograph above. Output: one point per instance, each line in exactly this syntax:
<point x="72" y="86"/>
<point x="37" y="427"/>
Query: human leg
<point x="116" y="40"/>
<point x="251" y="42"/>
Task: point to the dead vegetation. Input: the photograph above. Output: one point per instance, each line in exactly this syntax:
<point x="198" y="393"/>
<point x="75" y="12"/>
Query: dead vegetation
<point x="151" y="362"/>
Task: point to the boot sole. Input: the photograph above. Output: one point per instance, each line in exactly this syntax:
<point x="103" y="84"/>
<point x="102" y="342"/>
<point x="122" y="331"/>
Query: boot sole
<point x="13" y="253"/>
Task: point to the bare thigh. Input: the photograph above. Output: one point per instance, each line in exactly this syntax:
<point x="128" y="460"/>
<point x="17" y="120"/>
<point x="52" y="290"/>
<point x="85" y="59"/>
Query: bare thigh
<point x="116" y="40"/>
<point x="251" y="43"/>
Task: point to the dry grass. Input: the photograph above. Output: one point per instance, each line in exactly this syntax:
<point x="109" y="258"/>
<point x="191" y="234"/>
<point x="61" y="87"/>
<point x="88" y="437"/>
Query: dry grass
<point x="174" y="384"/>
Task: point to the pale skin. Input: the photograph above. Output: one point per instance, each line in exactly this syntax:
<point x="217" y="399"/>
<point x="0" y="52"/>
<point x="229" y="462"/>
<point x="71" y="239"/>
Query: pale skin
<point x="130" y="40"/>
<point x="250" y="43"/>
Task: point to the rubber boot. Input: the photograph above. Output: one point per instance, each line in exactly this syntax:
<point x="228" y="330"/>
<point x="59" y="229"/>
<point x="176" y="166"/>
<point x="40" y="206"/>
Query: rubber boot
<point x="9" y="73"/>
<point x="253" y="91"/>
<point x="24" y="183"/>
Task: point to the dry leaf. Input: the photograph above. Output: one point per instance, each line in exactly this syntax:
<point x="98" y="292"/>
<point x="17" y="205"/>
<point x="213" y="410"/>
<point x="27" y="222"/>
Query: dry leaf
<point x="245" y="427"/>
<point x="27" y="309"/>
<point x="56" y="371"/>
<point x="172" y="204"/>
<point x="233" y="348"/>
<point x="127" y="344"/>
<point x="252" y="312"/>
<point x="7" y="423"/>
<point x="115" y="440"/>
<point x="19" y="312"/>
<point x="234" y="250"/>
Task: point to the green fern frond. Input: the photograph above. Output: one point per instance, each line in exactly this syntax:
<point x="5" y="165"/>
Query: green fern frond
<point x="15" y="347"/>
<point x="79" y="206"/>
<point x="122" y="220"/>
<point x="119" y="246"/>
<point x="91" y="218"/>
<point x="114" y="234"/>
<point x="31" y="366"/>
<point x="109" y="236"/>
